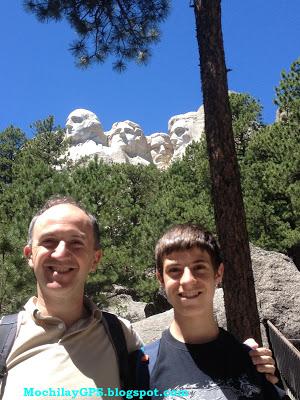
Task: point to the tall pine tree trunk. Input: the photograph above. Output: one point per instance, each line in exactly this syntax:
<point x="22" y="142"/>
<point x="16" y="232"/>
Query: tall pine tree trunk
<point x="239" y="292"/>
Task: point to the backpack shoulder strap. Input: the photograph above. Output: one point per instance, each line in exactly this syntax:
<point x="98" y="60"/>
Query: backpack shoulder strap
<point x="116" y="335"/>
<point x="143" y="363"/>
<point x="8" y="330"/>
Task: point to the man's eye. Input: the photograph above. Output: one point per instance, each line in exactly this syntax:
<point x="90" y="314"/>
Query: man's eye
<point x="76" y="243"/>
<point x="174" y="270"/>
<point x="49" y="242"/>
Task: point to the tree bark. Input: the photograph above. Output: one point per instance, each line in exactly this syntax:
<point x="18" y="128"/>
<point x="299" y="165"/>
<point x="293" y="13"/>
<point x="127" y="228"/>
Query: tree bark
<point x="239" y="291"/>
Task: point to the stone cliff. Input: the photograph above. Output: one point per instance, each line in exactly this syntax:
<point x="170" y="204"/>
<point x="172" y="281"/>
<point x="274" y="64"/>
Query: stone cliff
<point x="125" y="142"/>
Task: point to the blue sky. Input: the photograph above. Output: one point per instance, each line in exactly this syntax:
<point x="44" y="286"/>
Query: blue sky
<point x="39" y="77"/>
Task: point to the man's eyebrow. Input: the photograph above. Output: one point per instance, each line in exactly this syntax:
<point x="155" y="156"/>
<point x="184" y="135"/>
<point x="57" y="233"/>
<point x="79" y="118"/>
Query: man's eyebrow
<point x="55" y="235"/>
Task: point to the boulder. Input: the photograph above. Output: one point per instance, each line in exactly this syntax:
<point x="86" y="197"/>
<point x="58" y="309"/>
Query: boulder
<point x="151" y="328"/>
<point x="159" y="304"/>
<point x="124" y="306"/>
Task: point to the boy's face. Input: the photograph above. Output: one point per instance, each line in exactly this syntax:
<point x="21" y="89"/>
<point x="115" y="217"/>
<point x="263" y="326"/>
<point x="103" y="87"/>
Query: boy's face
<point x="190" y="280"/>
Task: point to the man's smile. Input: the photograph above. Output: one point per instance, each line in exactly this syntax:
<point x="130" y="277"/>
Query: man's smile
<point x="60" y="269"/>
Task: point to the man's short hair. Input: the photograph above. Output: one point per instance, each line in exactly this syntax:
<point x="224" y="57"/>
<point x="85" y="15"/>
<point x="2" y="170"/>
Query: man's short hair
<point x="183" y="237"/>
<point x="55" y="201"/>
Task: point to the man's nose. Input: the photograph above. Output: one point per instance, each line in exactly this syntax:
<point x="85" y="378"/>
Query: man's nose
<point x="187" y="276"/>
<point x="60" y="250"/>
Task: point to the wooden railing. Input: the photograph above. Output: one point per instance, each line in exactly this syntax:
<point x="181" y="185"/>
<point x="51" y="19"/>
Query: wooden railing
<point x="287" y="355"/>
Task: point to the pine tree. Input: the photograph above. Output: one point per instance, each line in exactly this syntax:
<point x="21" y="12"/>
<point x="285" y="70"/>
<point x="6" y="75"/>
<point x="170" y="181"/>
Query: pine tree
<point x="124" y="29"/>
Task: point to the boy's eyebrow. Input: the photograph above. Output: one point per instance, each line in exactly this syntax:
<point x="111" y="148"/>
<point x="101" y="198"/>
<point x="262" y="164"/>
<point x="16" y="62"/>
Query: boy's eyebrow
<point x="199" y="260"/>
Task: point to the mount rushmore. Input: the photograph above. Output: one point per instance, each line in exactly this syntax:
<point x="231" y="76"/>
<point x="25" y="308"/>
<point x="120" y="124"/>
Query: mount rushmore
<point x="125" y="142"/>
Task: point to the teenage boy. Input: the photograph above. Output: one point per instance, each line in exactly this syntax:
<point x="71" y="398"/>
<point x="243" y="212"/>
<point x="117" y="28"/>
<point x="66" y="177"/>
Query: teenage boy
<point x="196" y="358"/>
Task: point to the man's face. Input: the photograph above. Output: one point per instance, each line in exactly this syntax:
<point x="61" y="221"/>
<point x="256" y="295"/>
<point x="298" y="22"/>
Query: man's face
<point x="62" y="252"/>
<point x="189" y="280"/>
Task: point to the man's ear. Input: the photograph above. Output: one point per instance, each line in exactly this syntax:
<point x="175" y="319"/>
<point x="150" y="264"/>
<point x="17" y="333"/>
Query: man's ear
<point x="27" y="251"/>
<point x="97" y="257"/>
<point x="160" y="278"/>
<point x="219" y="274"/>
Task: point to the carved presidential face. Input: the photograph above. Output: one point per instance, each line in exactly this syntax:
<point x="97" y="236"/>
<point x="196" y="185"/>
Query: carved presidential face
<point x="80" y="120"/>
<point x="180" y="134"/>
<point x="84" y="125"/>
<point x="128" y="136"/>
<point x="161" y="149"/>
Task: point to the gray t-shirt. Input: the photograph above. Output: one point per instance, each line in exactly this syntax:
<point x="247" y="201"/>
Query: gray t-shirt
<point x="221" y="369"/>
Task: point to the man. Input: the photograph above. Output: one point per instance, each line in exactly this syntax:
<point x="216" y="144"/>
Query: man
<point x="196" y="358"/>
<point x="61" y="343"/>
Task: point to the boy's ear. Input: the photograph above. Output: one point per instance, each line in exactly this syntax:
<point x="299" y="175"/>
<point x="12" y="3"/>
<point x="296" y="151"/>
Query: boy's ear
<point x="160" y="278"/>
<point x="27" y="251"/>
<point x="220" y="273"/>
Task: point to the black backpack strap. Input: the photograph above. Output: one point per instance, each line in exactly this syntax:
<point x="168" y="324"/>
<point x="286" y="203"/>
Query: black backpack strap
<point x="8" y="330"/>
<point x="116" y="335"/>
<point x="142" y="363"/>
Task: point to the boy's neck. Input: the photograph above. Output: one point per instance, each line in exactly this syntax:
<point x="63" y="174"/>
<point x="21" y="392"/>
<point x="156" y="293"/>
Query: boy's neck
<point x="194" y="330"/>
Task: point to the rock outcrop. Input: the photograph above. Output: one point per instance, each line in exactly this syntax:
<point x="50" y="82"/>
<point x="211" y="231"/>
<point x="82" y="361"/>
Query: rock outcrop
<point x="185" y="128"/>
<point x="125" y="142"/>
<point x="125" y="307"/>
<point x="277" y="282"/>
<point x="83" y="125"/>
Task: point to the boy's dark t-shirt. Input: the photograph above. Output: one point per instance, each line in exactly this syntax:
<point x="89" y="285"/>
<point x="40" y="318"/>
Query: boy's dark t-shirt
<point x="221" y="369"/>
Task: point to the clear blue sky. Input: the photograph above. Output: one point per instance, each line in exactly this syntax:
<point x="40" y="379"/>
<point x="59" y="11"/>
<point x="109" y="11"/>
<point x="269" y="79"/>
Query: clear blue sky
<point x="39" y="78"/>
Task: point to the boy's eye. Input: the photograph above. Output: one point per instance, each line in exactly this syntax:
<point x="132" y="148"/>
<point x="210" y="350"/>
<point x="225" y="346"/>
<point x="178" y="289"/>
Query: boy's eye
<point x="199" y="268"/>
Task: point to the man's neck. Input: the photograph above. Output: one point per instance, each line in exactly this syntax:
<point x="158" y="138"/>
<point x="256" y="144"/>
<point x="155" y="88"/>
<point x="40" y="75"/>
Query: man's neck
<point x="194" y="330"/>
<point x="68" y="310"/>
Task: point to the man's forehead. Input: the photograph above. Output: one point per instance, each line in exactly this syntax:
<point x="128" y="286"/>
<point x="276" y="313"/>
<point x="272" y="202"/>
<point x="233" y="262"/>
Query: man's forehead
<point x="62" y="214"/>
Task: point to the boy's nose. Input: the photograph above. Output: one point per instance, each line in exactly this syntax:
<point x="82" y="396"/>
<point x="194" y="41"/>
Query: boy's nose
<point x="187" y="276"/>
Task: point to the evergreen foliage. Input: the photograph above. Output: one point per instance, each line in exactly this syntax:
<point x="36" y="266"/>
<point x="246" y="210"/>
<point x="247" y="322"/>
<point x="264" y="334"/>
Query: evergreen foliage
<point x="11" y="141"/>
<point x="288" y="94"/>
<point x="123" y="29"/>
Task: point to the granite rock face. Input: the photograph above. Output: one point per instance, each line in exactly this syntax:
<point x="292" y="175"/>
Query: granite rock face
<point x="124" y="306"/>
<point x="277" y="282"/>
<point x="161" y="149"/>
<point x="125" y="142"/>
<point x="83" y="125"/>
<point x="129" y="137"/>
<point x="185" y="128"/>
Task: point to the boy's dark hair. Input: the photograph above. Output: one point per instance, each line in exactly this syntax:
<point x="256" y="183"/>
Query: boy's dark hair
<point x="184" y="237"/>
<point x="55" y="201"/>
